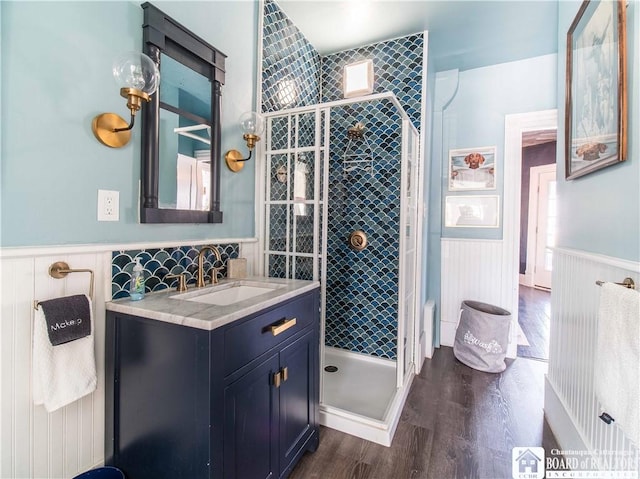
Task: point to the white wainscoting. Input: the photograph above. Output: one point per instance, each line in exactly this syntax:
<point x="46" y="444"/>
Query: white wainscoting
<point x="571" y="406"/>
<point x="66" y="442"/>
<point x="70" y="440"/>
<point x="474" y="270"/>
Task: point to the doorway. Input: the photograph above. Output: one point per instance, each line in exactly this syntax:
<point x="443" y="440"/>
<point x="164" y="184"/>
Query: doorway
<point x="537" y="237"/>
<point x="518" y="128"/>
<point x="537" y="208"/>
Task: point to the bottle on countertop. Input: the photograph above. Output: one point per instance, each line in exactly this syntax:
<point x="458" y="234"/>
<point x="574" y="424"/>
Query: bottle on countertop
<point x="136" y="290"/>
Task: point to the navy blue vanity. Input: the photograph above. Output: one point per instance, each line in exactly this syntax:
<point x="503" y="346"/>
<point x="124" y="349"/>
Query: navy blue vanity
<point x="197" y="390"/>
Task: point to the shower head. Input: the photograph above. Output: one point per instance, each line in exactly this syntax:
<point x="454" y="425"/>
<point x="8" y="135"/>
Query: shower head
<point x="356" y="131"/>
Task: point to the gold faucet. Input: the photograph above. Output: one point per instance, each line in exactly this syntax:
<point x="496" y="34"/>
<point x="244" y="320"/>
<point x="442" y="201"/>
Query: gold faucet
<point x="214" y="270"/>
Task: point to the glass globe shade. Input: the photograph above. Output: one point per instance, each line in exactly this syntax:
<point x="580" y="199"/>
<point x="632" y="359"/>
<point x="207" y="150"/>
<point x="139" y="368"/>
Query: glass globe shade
<point x="252" y="123"/>
<point x="137" y="70"/>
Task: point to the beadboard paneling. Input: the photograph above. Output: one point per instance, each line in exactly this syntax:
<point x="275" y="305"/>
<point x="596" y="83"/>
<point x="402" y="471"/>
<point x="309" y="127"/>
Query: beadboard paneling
<point x="573" y="340"/>
<point x="36" y="443"/>
<point x="15" y="356"/>
<point x="472" y="270"/>
<point x="66" y="442"/>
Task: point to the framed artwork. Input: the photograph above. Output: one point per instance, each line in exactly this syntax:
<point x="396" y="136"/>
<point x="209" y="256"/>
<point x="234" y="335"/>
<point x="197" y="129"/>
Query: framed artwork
<point x="472" y="169"/>
<point x="596" y="89"/>
<point x="480" y="211"/>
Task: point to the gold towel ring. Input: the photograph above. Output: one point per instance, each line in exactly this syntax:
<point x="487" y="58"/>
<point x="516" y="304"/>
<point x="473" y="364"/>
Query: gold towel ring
<point x="60" y="270"/>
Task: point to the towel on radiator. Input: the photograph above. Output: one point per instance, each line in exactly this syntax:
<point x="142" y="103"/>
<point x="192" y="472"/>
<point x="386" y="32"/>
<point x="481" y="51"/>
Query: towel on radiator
<point x="617" y="371"/>
<point x="64" y="372"/>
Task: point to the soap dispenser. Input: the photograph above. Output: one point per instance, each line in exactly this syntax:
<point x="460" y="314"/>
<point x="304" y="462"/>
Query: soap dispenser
<point x="136" y="289"/>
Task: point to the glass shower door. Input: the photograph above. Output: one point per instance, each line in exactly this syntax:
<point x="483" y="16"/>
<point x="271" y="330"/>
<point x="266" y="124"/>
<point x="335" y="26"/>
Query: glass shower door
<point x="408" y="251"/>
<point x="293" y="204"/>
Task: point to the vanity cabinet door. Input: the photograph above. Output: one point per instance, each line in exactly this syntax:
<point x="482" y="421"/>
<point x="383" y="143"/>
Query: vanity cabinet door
<point x="251" y="406"/>
<point x="157" y="399"/>
<point x="298" y="399"/>
<point x="269" y="423"/>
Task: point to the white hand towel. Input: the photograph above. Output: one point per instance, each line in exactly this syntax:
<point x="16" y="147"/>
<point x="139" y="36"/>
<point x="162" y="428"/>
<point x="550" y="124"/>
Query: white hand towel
<point x="64" y="373"/>
<point x="617" y="371"/>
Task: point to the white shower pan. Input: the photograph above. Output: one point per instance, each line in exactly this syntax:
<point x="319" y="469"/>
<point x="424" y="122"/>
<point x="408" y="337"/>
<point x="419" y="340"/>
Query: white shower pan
<point x="361" y="397"/>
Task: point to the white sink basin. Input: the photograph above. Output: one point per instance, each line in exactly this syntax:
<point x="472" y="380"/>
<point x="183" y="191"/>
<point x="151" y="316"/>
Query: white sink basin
<point x="230" y="293"/>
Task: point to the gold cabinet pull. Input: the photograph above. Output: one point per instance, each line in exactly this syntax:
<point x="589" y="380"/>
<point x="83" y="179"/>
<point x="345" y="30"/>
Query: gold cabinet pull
<point x="280" y="377"/>
<point x="282" y="327"/>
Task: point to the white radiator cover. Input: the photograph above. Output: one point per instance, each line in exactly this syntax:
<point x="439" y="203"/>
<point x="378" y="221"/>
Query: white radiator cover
<point x="571" y="406"/>
<point x="425" y="341"/>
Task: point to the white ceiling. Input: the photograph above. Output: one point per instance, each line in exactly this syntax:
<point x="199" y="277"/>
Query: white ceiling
<point x="463" y="34"/>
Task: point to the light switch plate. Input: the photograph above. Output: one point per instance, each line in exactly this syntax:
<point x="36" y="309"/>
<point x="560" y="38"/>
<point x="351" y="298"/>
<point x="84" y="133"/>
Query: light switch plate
<point x="108" y="205"/>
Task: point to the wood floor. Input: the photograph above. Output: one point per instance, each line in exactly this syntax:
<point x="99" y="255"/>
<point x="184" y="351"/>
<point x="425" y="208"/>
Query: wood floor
<point x="534" y="316"/>
<point x="457" y="423"/>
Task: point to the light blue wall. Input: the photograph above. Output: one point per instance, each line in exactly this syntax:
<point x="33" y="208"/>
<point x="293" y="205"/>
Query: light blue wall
<point x="469" y="111"/>
<point x="475" y="118"/>
<point x="56" y="76"/>
<point x="600" y="212"/>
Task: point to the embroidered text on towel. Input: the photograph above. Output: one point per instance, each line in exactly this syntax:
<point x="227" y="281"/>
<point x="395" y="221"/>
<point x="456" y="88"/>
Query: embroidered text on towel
<point x="66" y="324"/>
<point x="67" y="319"/>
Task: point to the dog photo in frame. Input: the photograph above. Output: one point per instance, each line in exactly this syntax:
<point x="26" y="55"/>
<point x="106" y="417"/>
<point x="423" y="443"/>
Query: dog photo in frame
<point x="472" y="169"/>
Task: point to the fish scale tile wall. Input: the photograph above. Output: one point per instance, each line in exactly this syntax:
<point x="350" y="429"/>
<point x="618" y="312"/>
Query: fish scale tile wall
<point x="397" y="67"/>
<point x="362" y="287"/>
<point x="290" y="65"/>
<point x="159" y="262"/>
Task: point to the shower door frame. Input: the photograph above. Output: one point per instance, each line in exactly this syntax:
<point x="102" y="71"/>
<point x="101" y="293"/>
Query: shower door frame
<point x="320" y="202"/>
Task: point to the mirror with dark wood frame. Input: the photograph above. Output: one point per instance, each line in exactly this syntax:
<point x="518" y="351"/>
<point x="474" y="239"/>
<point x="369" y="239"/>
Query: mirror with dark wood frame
<point x="181" y="130"/>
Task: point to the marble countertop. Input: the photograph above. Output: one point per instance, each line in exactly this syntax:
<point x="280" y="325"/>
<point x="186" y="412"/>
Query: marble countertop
<point x="163" y="305"/>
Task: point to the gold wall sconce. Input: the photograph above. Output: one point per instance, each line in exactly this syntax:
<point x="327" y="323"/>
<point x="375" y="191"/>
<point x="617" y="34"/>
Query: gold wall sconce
<point x="252" y="125"/>
<point x="138" y="77"/>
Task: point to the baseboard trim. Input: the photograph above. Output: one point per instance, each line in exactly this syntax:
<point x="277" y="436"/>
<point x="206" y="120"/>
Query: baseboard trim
<point x="560" y="421"/>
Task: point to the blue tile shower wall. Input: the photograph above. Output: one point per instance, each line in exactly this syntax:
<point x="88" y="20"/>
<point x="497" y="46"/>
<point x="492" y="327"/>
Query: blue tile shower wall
<point x="362" y="287"/>
<point x="290" y="65"/>
<point x="159" y="262"/>
<point x="397" y="67"/>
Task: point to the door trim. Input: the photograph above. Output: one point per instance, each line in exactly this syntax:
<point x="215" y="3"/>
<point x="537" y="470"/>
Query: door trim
<point x="515" y="126"/>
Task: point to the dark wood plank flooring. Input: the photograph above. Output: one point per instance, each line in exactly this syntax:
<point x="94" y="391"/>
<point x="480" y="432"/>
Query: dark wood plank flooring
<point x="457" y="423"/>
<point x="534" y="316"/>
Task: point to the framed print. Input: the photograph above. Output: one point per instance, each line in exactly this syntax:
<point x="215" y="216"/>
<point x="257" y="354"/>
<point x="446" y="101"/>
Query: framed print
<point x="472" y="169"/>
<point x="596" y="89"/>
<point x="472" y="211"/>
